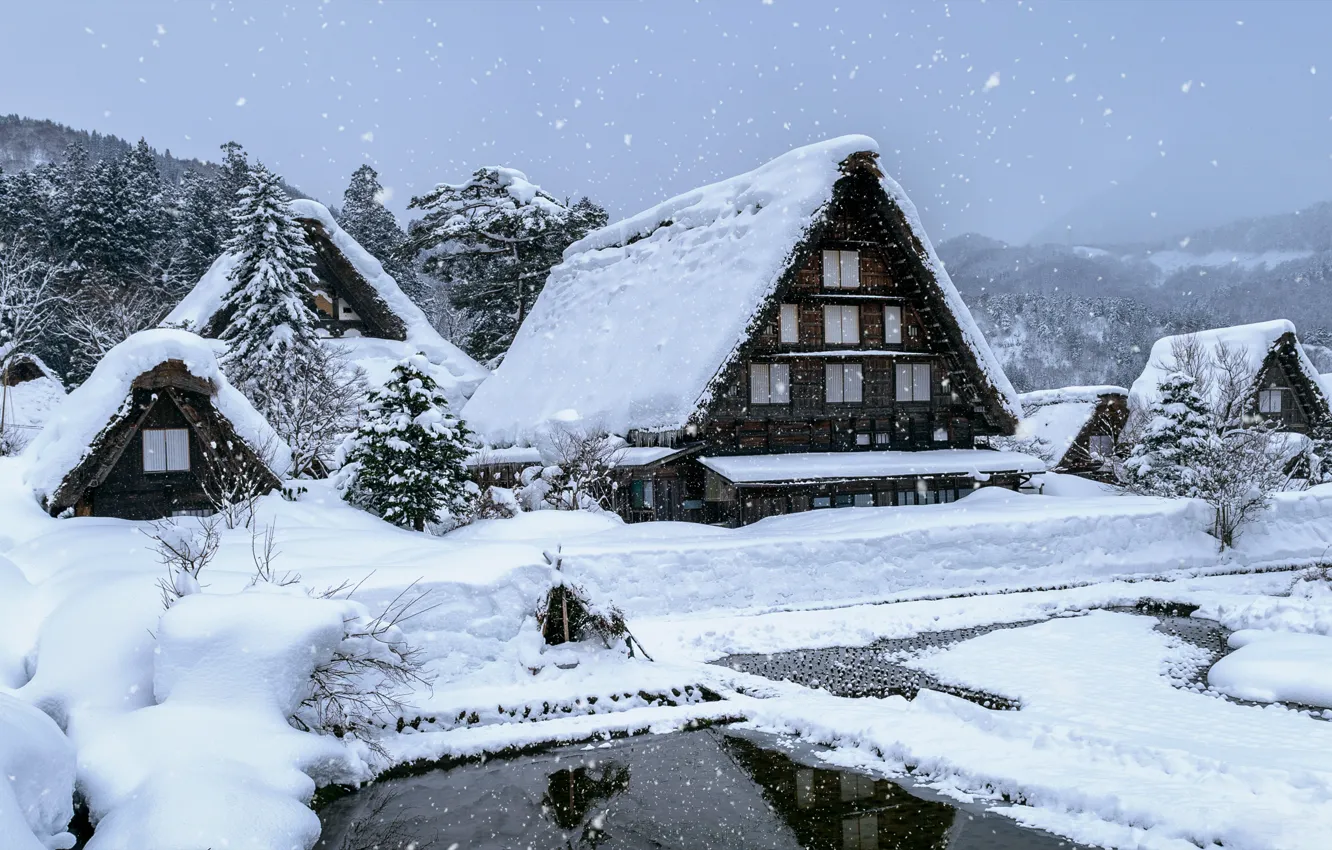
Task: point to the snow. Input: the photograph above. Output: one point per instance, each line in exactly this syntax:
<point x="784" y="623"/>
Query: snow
<point x="36" y="779"/>
<point x="83" y="415"/>
<point x="1255" y="341"/>
<point x="641" y="315"/>
<point x="1270" y="666"/>
<point x="1172" y="262"/>
<point x="456" y="374"/>
<point x="643" y="455"/>
<point x="814" y="466"/>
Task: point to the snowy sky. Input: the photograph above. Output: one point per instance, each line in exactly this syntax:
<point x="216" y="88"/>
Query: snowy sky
<point x="1008" y="118"/>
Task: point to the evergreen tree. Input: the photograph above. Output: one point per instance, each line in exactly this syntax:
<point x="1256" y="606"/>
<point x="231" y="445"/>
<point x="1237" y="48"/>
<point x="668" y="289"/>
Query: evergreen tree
<point x="233" y="176"/>
<point x="93" y="223"/>
<point x="27" y="213"/>
<point x="270" y="325"/>
<point x="201" y="228"/>
<point x="146" y="226"/>
<point x="372" y="225"/>
<point x="498" y="236"/>
<point x="1320" y="453"/>
<point x="406" y="460"/>
<point x="1177" y="444"/>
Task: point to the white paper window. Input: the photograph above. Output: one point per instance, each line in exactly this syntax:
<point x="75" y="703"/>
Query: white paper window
<point x="864" y="500"/>
<point x="1102" y="445"/>
<point x="769" y="383"/>
<point x="862" y="439"/>
<point x="843" y="383"/>
<point x="841" y="324"/>
<point x="166" y="450"/>
<point x="841" y="269"/>
<point x="913" y="382"/>
<point x="1269" y="401"/>
<point x="790" y="324"/>
<point x="892" y="324"/>
<point x="940" y="434"/>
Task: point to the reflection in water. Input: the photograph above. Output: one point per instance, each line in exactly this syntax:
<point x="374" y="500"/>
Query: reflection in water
<point x="685" y="790"/>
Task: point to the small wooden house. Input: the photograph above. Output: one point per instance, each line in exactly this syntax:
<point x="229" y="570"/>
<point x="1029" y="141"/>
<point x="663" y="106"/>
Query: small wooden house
<point x="156" y="431"/>
<point x="29" y="391"/>
<point x="360" y="306"/>
<point x="1073" y="429"/>
<point x="1269" y="375"/>
<point x="787" y="339"/>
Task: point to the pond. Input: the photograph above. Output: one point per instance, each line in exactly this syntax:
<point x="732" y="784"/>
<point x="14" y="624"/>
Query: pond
<point x="708" y="789"/>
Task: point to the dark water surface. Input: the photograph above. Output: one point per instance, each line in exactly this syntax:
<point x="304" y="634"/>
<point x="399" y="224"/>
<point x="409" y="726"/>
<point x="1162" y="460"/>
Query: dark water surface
<point x="694" y="790"/>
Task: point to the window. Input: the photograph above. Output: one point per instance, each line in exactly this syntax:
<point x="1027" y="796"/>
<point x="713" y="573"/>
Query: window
<point x="862" y="439"/>
<point x="193" y="512"/>
<point x="1102" y="445"/>
<point x="892" y="324"/>
<point x="864" y="500"/>
<point x="940" y="434"/>
<point x="844" y="500"/>
<point x="823" y="502"/>
<point x="844" y="382"/>
<point x="841" y="269"/>
<point x="1269" y="401"/>
<point x="841" y="324"/>
<point x="789" y="324"/>
<point x="345" y="311"/>
<point x="166" y="450"/>
<point x="769" y="383"/>
<point x="913" y="382"/>
<point x="882" y="438"/>
<point x="641" y="495"/>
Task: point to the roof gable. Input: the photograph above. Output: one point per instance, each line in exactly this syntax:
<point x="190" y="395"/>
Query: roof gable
<point x="637" y="323"/>
<point x="92" y="425"/>
<point x="1054" y="420"/>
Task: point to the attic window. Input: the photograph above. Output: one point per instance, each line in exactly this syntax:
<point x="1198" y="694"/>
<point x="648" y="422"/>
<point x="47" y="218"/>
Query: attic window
<point x="1102" y="445"/>
<point x="1269" y="401"/>
<point x="913" y="382"/>
<point x="841" y="269"/>
<point x="166" y="450"/>
<point x="789" y="324"/>
<point x="892" y="324"/>
<point x="345" y="312"/>
<point x="769" y="383"/>
<point x="841" y="324"/>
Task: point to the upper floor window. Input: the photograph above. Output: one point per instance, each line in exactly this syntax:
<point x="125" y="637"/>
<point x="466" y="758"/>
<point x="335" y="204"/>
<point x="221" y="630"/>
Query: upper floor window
<point x="841" y="269"/>
<point x="1102" y="445"/>
<point x="769" y="383"/>
<point x="913" y="382"/>
<point x="892" y="324"/>
<point x="166" y="449"/>
<point x="789" y="324"/>
<point x="844" y="383"/>
<point x="841" y="324"/>
<point x="1269" y="401"/>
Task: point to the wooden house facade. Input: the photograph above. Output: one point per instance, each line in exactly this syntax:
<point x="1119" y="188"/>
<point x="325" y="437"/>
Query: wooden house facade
<point x="172" y="440"/>
<point x="1076" y="430"/>
<point x="853" y="374"/>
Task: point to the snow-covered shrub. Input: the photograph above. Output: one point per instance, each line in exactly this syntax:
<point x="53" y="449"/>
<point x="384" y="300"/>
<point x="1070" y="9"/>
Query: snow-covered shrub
<point x="579" y="473"/>
<point x="184" y="548"/>
<point x="568" y="613"/>
<point x="406" y="461"/>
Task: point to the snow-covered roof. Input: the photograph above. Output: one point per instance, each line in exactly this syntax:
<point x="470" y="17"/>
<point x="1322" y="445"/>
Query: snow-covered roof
<point x="27" y="357"/>
<point x="101" y="401"/>
<point x="817" y="466"/>
<point x="461" y="373"/>
<point x="1255" y="341"/>
<point x="640" y="317"/>
<point x="1052" y="419"/>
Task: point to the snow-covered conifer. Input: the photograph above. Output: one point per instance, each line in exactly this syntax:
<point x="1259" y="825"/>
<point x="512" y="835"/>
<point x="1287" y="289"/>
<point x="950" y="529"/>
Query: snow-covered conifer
<point x="370" y="223"/>
<point x="406" y="460"/>
<point x="1175" y="442"/>
<point x="201" y="228"/>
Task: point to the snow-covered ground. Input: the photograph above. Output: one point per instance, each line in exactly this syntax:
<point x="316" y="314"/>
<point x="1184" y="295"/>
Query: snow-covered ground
<point x="178" y="718"/>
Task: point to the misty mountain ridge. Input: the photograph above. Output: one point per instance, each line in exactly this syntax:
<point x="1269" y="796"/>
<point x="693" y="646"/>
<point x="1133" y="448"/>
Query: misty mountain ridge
<point x="1060" y="315"/>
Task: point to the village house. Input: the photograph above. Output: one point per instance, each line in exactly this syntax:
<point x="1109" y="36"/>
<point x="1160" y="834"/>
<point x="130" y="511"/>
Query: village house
<point x="1075" y="430"/>
<point x="1257" y="369"/>
<point x="781" y="341"/>
<point x="29" y="391"/>
<point x="156" y="431"/>
<point x="359" y="304"/>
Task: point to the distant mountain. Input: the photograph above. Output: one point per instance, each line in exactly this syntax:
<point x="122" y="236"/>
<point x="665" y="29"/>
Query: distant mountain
<point x="26" y="143"/>
<point x="1070" y="314"/>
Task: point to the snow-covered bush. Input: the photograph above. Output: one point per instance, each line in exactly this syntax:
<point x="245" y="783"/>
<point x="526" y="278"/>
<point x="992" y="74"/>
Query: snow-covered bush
<point x="406" y="461"/>
<point x="569" y="613"/>
<point x="184" y="547"/>
<point x="578" y="473"/>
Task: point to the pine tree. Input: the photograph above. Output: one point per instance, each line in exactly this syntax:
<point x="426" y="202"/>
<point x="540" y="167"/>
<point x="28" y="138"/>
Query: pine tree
<point x="406" y="460"/>
<point x="201" y="228"/>
<point x="270" y="324"/>
<point x="146" y="225"/>
<point x="1320" y="453"/>
<point x="233" y="176"/>
<point x="370" y="223"/>
<point x="1177" y="444"/>
<point x="93" y="223"/>
<point x="500" y="236"/>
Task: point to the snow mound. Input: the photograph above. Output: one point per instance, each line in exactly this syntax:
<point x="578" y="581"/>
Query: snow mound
<point x="215" y="762"/>
<point x="36" y="779"/>
<point x="87" y="411"/>
<point x="641" y="315"/>
<point x="1271" y="666"/>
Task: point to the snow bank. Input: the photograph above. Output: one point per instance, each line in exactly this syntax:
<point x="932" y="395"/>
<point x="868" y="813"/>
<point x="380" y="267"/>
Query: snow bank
<point x="1271" y="666"/>
<point x="215" y="763"/>
<point x="812" y="466"/>
<point x="101" y="400"/>
<point x="640" y="316"/>
<point x="36" y="779"/>
<point x="990" y="540"/>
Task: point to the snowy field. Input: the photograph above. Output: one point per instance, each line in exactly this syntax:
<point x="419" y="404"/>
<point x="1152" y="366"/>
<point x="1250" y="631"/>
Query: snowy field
<point x="172" y="727"/>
